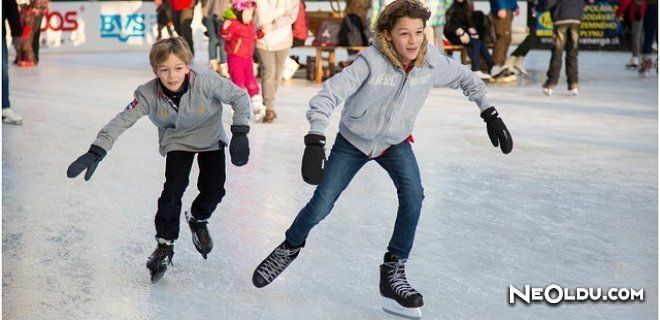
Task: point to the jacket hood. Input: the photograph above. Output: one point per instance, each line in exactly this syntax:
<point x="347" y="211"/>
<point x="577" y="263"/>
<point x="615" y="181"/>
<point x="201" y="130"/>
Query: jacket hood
<point x="387" y="49"/>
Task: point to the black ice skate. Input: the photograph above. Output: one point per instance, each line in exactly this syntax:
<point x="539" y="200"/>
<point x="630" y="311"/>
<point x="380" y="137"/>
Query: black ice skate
<point x="158" y="261"/>
<point x="399" y="297"/>
<point x="274" y="264"/>
<point x="200" y="235"/>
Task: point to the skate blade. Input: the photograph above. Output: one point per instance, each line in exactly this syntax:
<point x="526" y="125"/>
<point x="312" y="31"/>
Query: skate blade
<point x="157" y="275"/>
<point x="394" y="308"/>
<point x="7" y="121"/>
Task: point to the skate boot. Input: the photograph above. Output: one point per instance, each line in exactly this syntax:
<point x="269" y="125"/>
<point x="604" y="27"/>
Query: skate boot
<point x="548" y="89"/>
<point x="400" y="298"/>
<point x="274" y="264"/>
<point x="10" y="117"/>
<point x="200" y="234"/>
<point x="633" y="64"/>
<point x="258" y="108"/>
<point x="646" y="67"/>
<point x="158" y="261"/>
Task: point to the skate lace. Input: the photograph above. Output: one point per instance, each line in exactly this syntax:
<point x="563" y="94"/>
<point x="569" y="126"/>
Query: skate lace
<point x="162" y="251"/>
<point x="201" y="231"/>
<point x="397" y="277"/>
<point x="276" y="263"/>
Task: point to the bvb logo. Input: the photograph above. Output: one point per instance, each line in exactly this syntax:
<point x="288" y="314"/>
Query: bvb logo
<point x="545" y="20"/>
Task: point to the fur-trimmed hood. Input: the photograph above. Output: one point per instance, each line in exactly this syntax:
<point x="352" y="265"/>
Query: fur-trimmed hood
<point x="387" y="49"/>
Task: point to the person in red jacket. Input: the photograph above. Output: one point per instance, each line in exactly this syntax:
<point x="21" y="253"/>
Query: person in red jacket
<point x="240" y="38"/>
<point x="633" y="12"/>
<point x="299" y="27"/>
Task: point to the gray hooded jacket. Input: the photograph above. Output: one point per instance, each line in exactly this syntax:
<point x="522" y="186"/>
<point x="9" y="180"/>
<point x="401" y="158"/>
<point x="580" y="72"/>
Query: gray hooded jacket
<point x="196" y="127"/>
<point x="382" y="101"/>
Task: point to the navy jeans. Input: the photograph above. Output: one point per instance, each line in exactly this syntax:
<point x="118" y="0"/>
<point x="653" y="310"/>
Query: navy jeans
<point x="5" y="73"/>
<point x="650" y="27"/>
<point x="216" y="43"/>
<point x="478" y="49"/>
<point x="344" y="162"/>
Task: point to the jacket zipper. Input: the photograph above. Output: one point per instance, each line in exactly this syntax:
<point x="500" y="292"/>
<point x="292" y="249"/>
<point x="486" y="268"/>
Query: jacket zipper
<point x="389" y="119"/>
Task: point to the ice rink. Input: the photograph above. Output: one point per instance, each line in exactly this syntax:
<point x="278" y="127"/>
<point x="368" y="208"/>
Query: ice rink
<point x="574" y="204"/>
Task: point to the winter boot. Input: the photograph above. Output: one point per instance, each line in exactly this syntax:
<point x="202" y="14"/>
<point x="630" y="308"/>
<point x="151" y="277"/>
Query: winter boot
<point x="270" y="116"/>
<point x="200" y="234"/>
<point x="400" y="298"/>
<point x="274" y="264"/>
<point x="158" y="261"/>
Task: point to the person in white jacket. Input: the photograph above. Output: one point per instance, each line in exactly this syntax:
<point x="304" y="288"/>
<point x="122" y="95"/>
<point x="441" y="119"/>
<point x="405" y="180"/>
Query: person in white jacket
<point x="274" y="18"/>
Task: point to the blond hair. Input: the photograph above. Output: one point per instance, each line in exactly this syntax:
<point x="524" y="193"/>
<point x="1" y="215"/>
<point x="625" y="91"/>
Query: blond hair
<point x="163" y="48"/>
<point x="401" y="8"/>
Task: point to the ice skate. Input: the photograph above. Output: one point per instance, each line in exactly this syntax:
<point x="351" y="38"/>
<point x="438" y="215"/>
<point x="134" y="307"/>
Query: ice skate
<point x="10" y="117"/>
<point x="200" y="235"/>
<point x="517" y="64"/>
<point x="274" y="264"/>
<point x="159" y="259"/>
<point x="633" y="64"/>
<point x="223" y="70"/>
<point x="573" y="90"/>
<point x="548" y="90"/>
<point x="258" y="108"/>
<point x="482" y="76"/>
<point x="399" y="297"/>
<point x="646" y="67"/>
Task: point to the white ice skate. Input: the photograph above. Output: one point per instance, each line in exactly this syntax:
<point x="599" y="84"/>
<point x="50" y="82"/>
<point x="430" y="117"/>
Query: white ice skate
<point x="10" y="117"/>
<point x="258" y="108"/>
<point x="394" y="308"/>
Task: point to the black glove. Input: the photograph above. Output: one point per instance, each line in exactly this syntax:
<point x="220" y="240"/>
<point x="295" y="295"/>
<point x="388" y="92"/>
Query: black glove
<point x="497" y="130"/>
<point x="313" y="162"/>
<point x="89" y="161"/>
<point x="239" y="147"/>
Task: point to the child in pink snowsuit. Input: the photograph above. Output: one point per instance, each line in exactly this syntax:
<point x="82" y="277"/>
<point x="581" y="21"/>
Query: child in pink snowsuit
<point x="240" y="37"/>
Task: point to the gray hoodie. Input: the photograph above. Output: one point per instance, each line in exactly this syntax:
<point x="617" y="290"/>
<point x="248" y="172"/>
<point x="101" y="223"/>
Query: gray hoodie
<point x="382" y="101"/>
<point x="196" y="127"/>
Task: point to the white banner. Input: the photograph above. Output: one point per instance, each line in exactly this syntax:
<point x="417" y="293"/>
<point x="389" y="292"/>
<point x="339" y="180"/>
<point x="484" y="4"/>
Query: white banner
<point x="103" y="26"/>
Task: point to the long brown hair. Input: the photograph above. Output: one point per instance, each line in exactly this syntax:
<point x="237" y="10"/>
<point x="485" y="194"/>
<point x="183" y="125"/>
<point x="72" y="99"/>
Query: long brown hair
<point x="401" y="8"/>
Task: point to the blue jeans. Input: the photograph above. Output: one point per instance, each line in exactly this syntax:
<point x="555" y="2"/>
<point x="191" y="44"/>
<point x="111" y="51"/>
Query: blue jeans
<point x="5" y="73"/>
<point x="216" y="43"/>
<point x="477" y="49"/>
<point x="344" y="162"/>
<point x="650" y="27"/>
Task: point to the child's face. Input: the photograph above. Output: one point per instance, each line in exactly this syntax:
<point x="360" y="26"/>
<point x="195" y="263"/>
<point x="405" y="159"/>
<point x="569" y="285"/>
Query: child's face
<point x="172" y="72"/>
<point x="407" y="36"/>
<point x="247" y="14"/>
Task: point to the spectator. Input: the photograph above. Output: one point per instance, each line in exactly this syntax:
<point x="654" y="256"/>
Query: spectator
<point x="632" y="11"/>
<point x="516" y="61"/>
<point x="502" y="12"/>
<point x="274" y="18"/>
<point x="10" y="14"/>
<point x="31" y="16"/>
<point x="299" y="27"/>
<point x="460" y="30"/>
<point x="438" y="20"/>
<point x="182" y="17"/>
<point x="566" y="16"/>
<point x="650" y="36"/>
<point x="240" y="36"/>
<point x="213" y="11"/>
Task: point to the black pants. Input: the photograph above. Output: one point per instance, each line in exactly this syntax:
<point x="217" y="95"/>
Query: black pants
<point x="564" y="37"/>
<point x="210" y="183"/>
<point x="182" y="21"/>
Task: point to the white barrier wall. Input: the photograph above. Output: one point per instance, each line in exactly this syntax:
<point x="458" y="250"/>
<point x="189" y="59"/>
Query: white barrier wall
<point x="105" y="26"/>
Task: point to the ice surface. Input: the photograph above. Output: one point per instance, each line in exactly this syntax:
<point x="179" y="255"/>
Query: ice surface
<point x="575" y="204"/>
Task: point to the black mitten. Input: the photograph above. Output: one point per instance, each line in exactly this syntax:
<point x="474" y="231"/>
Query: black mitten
<point x="497" y="130"/>
<point x="239" y="147"/>
<point x="313" y="162"/>
<point x="89" y="161"/>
